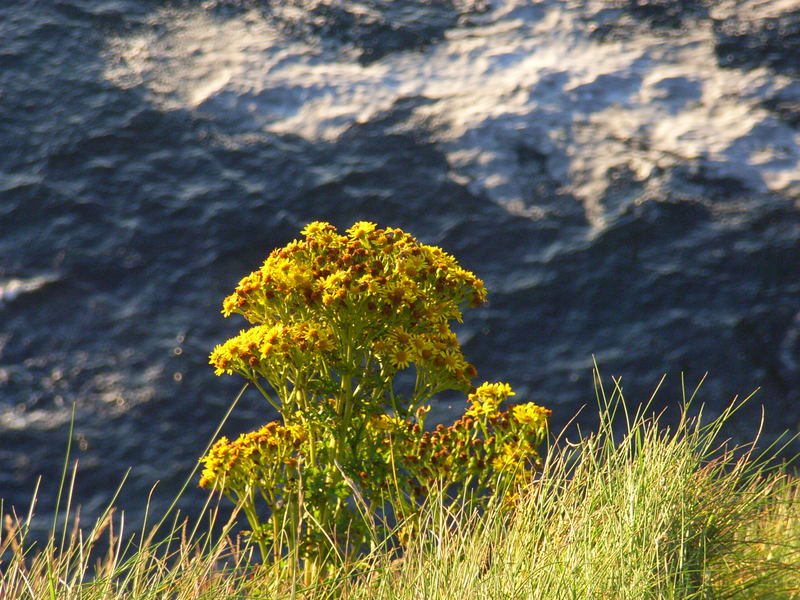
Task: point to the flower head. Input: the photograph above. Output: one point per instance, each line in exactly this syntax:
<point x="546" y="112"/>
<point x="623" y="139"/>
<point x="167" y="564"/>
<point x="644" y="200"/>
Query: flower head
<point x="531" y="414"/>
<point x="361" y="229"/>
<point x="487" y="398"/>
<point x="400" y="358"/>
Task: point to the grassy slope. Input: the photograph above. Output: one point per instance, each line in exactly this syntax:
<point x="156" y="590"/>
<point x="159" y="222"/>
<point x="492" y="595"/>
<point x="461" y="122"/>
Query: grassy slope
<point x="657" y="513"/>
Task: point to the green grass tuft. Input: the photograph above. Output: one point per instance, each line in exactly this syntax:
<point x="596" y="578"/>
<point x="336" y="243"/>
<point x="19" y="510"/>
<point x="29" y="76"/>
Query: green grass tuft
<point x="656" y="512"/>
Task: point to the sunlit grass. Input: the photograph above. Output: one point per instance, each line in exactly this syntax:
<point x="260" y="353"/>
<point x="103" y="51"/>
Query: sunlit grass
<point x="653" y="512"/>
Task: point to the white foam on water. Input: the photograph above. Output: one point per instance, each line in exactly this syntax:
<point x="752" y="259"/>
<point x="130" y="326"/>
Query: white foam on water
<point x="528" y="76"/>
<point x="39" y="419"/>
<point x="11" y="289"/>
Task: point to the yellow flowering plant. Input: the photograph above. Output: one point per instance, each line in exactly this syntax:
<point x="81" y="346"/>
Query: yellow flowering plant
<point x="335" y="318"/>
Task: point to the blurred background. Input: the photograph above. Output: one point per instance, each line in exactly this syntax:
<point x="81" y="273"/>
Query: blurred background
<point x="624" y="175"/>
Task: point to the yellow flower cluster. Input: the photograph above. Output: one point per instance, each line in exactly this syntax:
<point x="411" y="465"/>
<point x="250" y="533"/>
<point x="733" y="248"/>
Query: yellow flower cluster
<point x="531" y="415"/>
<point x="254" y="349"/>
<point x="486" y="399"/>
<point x="252" y="459"/>
<point x="512" y="456"/>
<point x="483" y="441"/>
<point x="436" y="350"/>
<point x="334" y="318"/>
<point x="381" y="287"/>
<point x="386" y="422"/>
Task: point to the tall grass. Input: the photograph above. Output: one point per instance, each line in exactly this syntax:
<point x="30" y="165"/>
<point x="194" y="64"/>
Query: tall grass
<point x="656" y="511"/>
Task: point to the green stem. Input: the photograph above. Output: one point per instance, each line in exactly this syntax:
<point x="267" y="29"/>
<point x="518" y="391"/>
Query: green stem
<point x="277" y="543"/>
<point x="264" y="393"/>
<point x="249" y="507"/>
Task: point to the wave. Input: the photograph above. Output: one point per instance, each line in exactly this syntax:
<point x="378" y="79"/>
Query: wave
<point x="12" y="289"/>
<point x="523" y="81"/>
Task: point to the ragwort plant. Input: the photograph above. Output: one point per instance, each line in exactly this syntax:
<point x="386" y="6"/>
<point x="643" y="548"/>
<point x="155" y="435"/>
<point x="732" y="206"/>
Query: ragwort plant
<point x="335" y="320"/>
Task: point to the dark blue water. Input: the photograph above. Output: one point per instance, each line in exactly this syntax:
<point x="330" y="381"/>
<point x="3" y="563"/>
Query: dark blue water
<point x="124" y="221"/>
